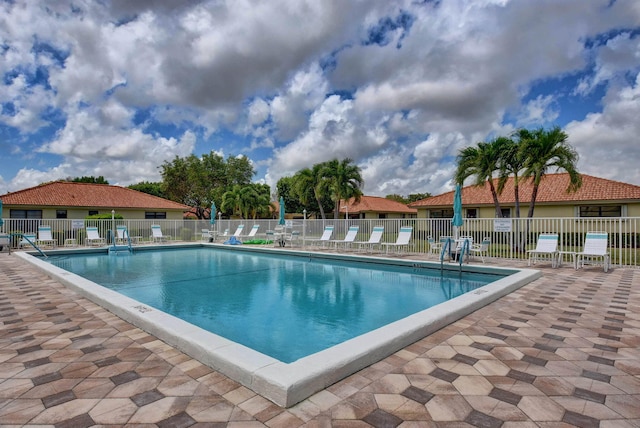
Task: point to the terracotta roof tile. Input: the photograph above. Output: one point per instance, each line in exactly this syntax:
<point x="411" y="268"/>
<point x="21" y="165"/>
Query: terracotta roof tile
<point x="376" y="204"/>
<point x="88" y="195"/>
<point x="552" y="190"/>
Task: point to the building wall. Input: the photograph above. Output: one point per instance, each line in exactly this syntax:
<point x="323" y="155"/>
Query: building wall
<point x="541" y="211"/>
<point x="75" y="213"/>
<point x="375" y="215"/>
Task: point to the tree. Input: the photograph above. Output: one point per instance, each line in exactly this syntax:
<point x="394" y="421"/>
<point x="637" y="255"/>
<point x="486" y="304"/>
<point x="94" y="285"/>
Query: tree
<point x="199" y="181"/>
<point x="545" y="150"/>
<point x="308" y="185"/>
<point x="285" y="188"/>
<point x="248" y="201"/>
<point x="511" y="163"/>
<point x="408" y="199"/>
<point x="150" y="188"/>
<point x="87" y="179"/>
<point x="481" y="162"/>
<point x="343" y="181"/>
<point x="256" y="199"/>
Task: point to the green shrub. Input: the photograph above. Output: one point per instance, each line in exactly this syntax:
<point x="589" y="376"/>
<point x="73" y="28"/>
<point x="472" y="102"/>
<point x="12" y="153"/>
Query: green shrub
<point x="105" y="216"/>
<point x="186" y="234"/>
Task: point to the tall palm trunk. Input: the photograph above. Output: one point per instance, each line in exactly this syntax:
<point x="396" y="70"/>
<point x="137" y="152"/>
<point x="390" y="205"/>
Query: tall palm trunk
<point x="534" y="196"/>
<point x="320" y="207"/>
<point x="494" y="194"/>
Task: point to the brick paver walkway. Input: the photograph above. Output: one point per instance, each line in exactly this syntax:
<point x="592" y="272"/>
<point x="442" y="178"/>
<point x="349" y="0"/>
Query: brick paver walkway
<point x="562" y="351"/>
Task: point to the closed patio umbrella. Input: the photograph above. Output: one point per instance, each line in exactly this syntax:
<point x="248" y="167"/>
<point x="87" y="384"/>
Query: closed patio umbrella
<point x="213" y="213"/>
<point x="457" y="220"/>
<point x="281" y="221"/>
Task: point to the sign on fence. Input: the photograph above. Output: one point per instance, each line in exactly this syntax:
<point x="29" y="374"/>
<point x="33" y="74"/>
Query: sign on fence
<point x="77" y="224"/>
<point x="502" y="225"/>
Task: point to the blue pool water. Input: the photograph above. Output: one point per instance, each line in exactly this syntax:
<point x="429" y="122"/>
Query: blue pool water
<point x="286" y="307"/>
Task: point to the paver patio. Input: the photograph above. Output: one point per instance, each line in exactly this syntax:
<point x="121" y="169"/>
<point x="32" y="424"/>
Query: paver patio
<point x="562" y="351"/>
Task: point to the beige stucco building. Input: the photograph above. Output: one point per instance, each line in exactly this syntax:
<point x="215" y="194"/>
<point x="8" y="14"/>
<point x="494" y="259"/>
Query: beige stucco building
<point x="70" y="200"/>
<point x="598" y="197"/>
<point x="375" y="207"/>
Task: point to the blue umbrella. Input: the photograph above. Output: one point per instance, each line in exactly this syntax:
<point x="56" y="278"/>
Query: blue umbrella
<point x="1" y="221"/>
<point x="213" y="213"/>
<point x="281" y="221"/>
<point x="457" y="221"/>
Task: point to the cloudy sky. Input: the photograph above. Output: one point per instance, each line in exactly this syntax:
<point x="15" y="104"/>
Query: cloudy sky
<point x="116" y="88"/>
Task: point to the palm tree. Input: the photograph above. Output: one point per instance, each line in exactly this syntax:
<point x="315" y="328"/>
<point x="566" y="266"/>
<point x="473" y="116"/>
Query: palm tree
<point x="481" y="162"/>
<point x="308" y="184"/>
<point x="255" y="200"/>
<point x="343" y="181"/>
<point x="545" y="150"/>
<point x="232" y="200"/>
<point x="511" y="163"/>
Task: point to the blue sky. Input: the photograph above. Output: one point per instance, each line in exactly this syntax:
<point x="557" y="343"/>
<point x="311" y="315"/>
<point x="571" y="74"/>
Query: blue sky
<point x="116" y="88"/>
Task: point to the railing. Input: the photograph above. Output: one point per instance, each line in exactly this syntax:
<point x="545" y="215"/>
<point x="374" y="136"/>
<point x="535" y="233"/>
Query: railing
<point x="510" y="238"/>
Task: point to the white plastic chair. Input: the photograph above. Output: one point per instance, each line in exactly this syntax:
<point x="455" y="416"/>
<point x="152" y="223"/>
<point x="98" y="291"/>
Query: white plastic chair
<point x="93" y="237"/>
<point x="348" y="238"/>
<point x="157" y="235"/>
<point x="595" y="248"/>
<point x="404" y="236"/>
<point x="481" y="249"/>
<point x="238" y="231"/>
<point x="546" y="249"/>
<point x="45" y="238"/>
<point x="253" y="231"/>
<point x="326" y="236"/>
<point x="374" y="239"/>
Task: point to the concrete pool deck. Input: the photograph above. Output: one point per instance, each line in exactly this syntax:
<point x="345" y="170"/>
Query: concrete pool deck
<point x="563" y="350"/>
<point x="286" y="384"/>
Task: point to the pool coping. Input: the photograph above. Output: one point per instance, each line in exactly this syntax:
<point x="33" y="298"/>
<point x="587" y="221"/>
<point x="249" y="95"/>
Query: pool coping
<point x="289" y="383"/>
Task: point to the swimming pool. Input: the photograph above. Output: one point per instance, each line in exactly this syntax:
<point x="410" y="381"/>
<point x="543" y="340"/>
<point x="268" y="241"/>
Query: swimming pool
<point x="287" y="383"/>
<point x="287" y="307"/>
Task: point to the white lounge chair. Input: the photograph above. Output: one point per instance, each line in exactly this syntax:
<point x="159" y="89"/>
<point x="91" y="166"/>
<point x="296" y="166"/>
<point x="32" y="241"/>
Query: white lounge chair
<point x="293" y="238"/>
<point x="374" y="239"/>
<point x="404" y="236"/>
<point x="254" y="230"/>
<point x="157" y="235"/>
<point x="123" y="237"/>
<point x="348" y="238"/>
<point x="436" y="246"/>
<point x="481" y="249"/>
<point x="326" y="236"/>
<point x="595" y="248"/>
<point x="546" y="249"/>
<point x="28" y="240"/>
<point x="238" y="231"/>
<point x="93" y="237"/>
<point x="45" y="238"/>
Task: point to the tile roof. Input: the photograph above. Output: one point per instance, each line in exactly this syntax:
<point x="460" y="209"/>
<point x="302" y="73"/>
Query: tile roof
<point x="88" y="195"/>
<point x="552" y="190"/>
<point x="376" y="204"/>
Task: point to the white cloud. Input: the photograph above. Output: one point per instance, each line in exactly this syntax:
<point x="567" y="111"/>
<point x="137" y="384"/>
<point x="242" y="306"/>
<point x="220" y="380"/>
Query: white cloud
<point x="607" y="142"/>
<point x="538" y="112"/>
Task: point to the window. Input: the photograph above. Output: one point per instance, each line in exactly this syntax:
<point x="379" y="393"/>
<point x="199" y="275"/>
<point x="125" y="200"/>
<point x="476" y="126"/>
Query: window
<point x="61" y="213"/>
<point x="382" y="215"/>
<point x="29" y="214"/>
<point x="444" y="213"/>
<point x="91" y="212"/>
<point x="505" y="212"/>
<point x="472" y="213"/>
<point x="150" y="215"/>
<point x="601" y="211"/>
